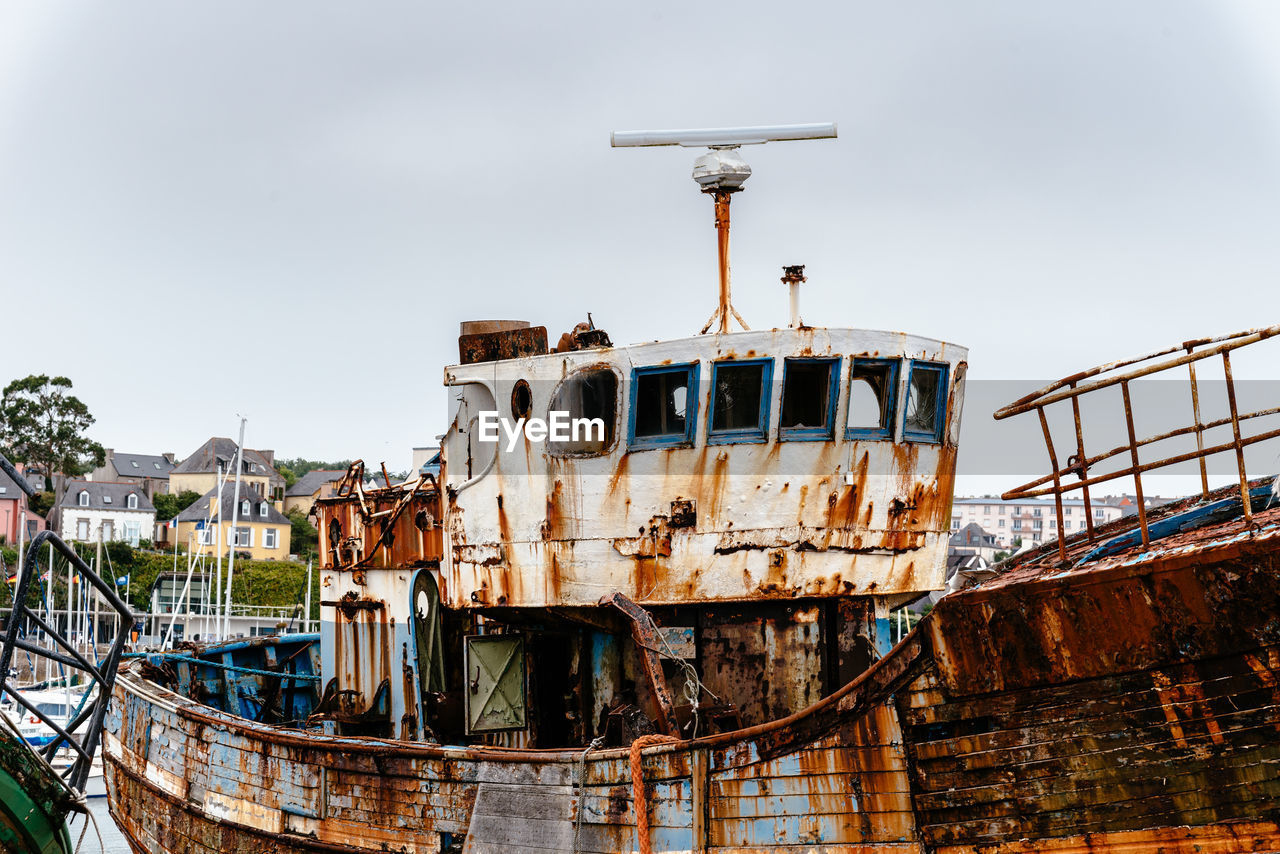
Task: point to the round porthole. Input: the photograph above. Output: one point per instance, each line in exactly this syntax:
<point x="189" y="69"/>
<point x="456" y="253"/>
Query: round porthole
<point x="521" y="400"/>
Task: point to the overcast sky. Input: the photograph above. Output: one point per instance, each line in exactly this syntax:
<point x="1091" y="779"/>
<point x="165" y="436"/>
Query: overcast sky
<point x="284" y="209"/>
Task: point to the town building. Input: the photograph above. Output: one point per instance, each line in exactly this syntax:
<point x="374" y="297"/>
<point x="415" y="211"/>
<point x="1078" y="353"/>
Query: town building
<point x="261" y="530"/>
<point x="316" y="484"/>
<point x="150" y="471"/>
<point x="973" y="540"/>
<point x="1030" y="521"/>
<point x="15" y="513"/>
<point x="199" y="471"/>
<point x="92" y="511"/>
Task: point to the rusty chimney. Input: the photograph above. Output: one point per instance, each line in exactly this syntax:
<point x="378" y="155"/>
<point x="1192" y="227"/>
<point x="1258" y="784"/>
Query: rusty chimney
<point x="792" y="276"/>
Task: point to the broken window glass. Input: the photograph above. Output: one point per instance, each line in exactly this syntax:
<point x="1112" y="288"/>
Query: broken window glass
<point x="590" y="395"/>
<point x="873" y="390"/>
<point x="663" y="405"/>
<point x="740" y="401"/>
<point x="926" y="402"/>
<point x="808" y="398"/>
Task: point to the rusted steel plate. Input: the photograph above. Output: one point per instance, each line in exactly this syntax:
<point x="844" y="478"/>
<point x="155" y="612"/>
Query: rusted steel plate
<point x="505" y="344"/>
<point x="381" y="528"/>
<point x="1117" y="618"/>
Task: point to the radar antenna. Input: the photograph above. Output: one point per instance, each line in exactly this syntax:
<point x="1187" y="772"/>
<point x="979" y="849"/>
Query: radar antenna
<point x="720" y="173"/>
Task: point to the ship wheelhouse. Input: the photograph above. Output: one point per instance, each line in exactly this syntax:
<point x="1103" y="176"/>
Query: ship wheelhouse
<point x="672" y="536"/>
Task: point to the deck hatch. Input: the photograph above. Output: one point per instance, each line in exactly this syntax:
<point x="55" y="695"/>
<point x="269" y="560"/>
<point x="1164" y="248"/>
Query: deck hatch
<point x="495" y="694"/>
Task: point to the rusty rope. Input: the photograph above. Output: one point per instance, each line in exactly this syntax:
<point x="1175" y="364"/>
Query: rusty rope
<point x="637" y="789"/>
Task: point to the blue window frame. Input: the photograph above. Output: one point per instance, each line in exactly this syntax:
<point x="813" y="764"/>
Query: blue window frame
<point x="739" y="401"/>
<point x="873" y="399"/>
<point x="925" y="417"/>
<point x="664" y="406"/>
<point x="809" y="391"/>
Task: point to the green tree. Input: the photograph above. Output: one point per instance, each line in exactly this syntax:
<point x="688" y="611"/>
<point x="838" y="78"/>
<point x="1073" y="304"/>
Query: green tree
<point x="304" y="539"/>
<point x="167" y="506"/>
<point x="43" y="424"/>
<point x="293" y="470"/>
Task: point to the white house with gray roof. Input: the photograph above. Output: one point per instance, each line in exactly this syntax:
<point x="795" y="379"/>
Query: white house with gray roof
<point x="93" y="510"/>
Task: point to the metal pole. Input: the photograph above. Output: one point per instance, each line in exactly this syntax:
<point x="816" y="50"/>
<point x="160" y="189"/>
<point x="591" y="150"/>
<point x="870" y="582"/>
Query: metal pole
<point x="1195" y="409"/>
<point x="1235" y="430"/>
<point x="722" y="242"/>
<point x="306" y="619"/>
<point x="217" y="550"/>
<point x="22" y="547"/>
<point x="1137" y="475"/>
<point x="1057" y="484"/>
<point x="186" y="589"/>
<point x="48" y="664"/>
<point x="235" y="520"/>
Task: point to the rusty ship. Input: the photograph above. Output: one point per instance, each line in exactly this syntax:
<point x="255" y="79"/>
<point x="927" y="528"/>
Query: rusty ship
<point x="666" y="633"/>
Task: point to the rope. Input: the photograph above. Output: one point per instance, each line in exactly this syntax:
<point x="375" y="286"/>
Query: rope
<point x="89" y="817"/>
<point x="596" y="744"/>
<point x="637" y="789"/>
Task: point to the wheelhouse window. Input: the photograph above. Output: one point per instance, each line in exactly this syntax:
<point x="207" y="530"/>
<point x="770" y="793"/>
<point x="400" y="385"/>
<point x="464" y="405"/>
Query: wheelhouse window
<point x="664" y="406"/>
<point x="739" y="401"/>
<point x="588" y="396"/>
<point x="873" y="395"/>
<point x="926" y="402"/>
<point x="808" y="399"/>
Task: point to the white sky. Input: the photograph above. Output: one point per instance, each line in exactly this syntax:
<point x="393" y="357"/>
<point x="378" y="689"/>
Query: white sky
<point x="285" y="209"/>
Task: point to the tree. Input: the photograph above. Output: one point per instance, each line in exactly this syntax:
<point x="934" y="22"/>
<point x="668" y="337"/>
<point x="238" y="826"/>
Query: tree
<point x="303" y="536"/>
<point x="43" y="424"/>
<point x="167" y="506"/>
<point x="293" y="470"/>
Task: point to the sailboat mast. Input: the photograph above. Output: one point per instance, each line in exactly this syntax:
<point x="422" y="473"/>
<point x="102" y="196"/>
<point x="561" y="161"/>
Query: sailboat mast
<point x="235" y="520"/>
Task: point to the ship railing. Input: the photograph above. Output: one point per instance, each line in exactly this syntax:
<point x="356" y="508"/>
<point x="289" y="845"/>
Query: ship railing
<point x="1076" y="474"/>
<point x="83" y="728"/>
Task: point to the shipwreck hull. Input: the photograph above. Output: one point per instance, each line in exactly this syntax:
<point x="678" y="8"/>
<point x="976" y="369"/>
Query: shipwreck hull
<point x="1131" y="703"/>
<point x="184" y="778"/>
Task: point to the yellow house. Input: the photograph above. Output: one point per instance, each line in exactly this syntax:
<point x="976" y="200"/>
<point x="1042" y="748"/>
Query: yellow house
<point x="261" y="530"/>
<point x="199" y="471"/>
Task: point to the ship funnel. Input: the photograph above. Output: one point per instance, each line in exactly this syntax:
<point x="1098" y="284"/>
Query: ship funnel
<point x="720" y="173"/>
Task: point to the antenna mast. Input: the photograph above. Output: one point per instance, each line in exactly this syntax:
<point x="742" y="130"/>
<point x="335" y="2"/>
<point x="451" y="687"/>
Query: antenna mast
<point x="720" y="173"/>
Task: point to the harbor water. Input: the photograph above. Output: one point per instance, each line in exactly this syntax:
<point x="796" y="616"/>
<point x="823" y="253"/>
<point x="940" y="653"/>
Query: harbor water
<point x="113" y="841"/>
